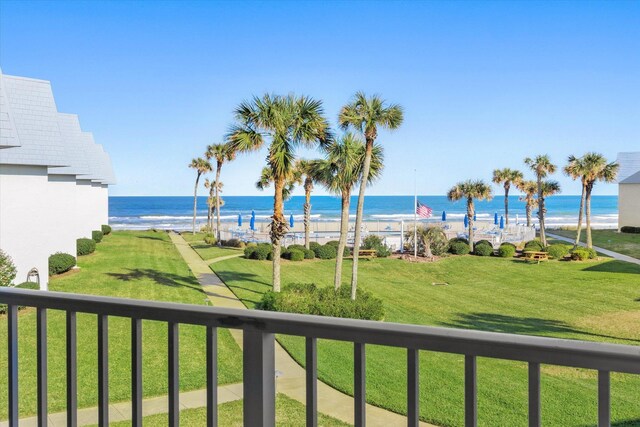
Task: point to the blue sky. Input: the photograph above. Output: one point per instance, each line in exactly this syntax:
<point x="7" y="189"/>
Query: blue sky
<point x="483" y="84"/>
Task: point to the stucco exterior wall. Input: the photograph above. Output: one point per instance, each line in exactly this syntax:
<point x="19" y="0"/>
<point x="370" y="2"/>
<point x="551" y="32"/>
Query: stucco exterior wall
<point x="629" y="205"/>
<point x="23" y="189"/>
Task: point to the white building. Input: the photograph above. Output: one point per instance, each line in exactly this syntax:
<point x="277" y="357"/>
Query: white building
<point x="53" y="177"/>
<point x="629" y="189"/>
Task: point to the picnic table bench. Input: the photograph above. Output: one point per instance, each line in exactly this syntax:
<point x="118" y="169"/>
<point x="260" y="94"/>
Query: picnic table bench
<point x="366" y="253"/>
<point x="535" y="256"/>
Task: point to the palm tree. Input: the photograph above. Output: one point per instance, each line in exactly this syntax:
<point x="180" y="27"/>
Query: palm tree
<point x="288" y="121"/>
<point x="365" y="114"/>
<point x="575" y="169"/>
<point x="310" y="169"/>
<point x="597" y="168"/>
<point x="201" y="166"/>
<point x="210" y="203"/>
<point x="541" y="165"/>
<point x="549" y="188"/>
<point x="290" y="181"/>
<point x="470" y="190"/>
<point x="530" y="189"/>
<point x="221" y="153"/>
<point x="339" y="172"/>
<point x="507" y="177"/>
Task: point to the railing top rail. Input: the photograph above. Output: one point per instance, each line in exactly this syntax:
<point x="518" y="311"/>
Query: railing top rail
<point x="582" y="354"/>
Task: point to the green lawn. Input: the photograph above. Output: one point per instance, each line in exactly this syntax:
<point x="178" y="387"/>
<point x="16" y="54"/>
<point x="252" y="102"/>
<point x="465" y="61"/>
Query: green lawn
<point x="205" y="251"/>
<point x="595" y="300"/>
<point x="289" y="413"/>
<point x="142" y="265"/>
<point x="624" y="243"/>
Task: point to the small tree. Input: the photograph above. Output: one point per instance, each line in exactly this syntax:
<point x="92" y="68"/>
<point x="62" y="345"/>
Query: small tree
<point x="507" y="177"/>
<point x="7" y="269"/>
<point x="201" y="166"/>
<point x="541" y="165"/>
<point x="470" y="190"/>
<point x="530" y="189"/>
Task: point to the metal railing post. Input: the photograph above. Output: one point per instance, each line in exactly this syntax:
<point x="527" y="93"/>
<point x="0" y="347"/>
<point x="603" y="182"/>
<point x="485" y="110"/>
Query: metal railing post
<point x="259" y="387"/>
<point x="103" y="370"/>
<point x="212" y="376"/>
<point x="413" y="387"/>
<point x="174" y="374"/>
<point x="72" y="370"/>
<point x="470" y="392"/>
<point x="359" y="384"/>
<point x="311" y="356"/>
<point x="12" y="337"/>
<point x="534" y="395"/>
<point x="136" y="372"/>
<point x="41" y="344"/>
<point x="604" y="399"/>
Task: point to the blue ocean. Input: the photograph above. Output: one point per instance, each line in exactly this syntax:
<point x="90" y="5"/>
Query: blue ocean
<point x="176" y="212"/>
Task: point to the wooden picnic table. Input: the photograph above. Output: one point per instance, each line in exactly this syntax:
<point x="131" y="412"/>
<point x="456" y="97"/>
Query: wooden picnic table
<point x="366" y="253"/>
<point x="535" y="256"/>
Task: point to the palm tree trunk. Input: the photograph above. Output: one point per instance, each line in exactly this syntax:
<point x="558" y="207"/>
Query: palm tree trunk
<point x="543" y="236"/>
<point x="580" y="212"/>
<point x="528" y="210"/>
<point x="278" y="229"/>
<point x="506" y="204"/>
<point x="587" y="202"/>
<point x="218" y="169"/>
<point x="359" y="212"/>
<point x="307" y="210"/>
<point x="342" y="243"/>
<point x="470" y="216"/>
<point x="195" y="203"/>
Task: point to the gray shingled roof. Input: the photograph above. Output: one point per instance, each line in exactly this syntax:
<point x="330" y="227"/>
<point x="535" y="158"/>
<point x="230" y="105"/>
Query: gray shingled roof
<point x="633" y="179"/>
<point x="33" y="132"/>
<point x="629" y="164"/>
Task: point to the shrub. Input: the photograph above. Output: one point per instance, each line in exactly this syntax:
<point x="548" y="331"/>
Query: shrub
<point x="261" y="252"/>
<point x="483" y="242"/>
<point x="97" y="235"/>
<point x="483" y="249"/>
<point x="60" y="263"/>
<point x="106" y="229"/>
<point x="459" y="247"/>
<point x="630" y="229"/>
<point x="375" y="242"/>
<point x="580" y="254"/>
<point x="314" y="245"/>
<point x="309" y="254"/>
<point x="592" y="253"/>
<point x="85" y="246"/>
<point x="7" y="269"/>
<point x="249" y="250"/>
<point x="210" y="239"/>
<point x="309" y="299"/>
<point x="438" y="243"/>
<point x="506" y="250"/>
<point x="251" y="245"/>
<point x="232" y="243"/>
<point x="295" y="255"/>
<point x="558" y="250"/>
<point x="459" y="239"/>
<point x="298" y="247"/>
<point x="326" y="252"/>
<point x="534" y="245"/>
<point x="335" y="243"/>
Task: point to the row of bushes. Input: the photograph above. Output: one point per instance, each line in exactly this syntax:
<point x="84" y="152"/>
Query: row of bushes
<point x="630" y="229"/>
<point x="60" y="263"/>
<point x="560" y="250"/>
<point x="264" y="251"/>
<point x="307" y="298"/>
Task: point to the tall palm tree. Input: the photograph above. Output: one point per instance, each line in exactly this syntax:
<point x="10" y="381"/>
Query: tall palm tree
<point x="201" y="166"/>
<point x="290" y="181"/>
<point x="507" y="177"/>
<point x="310" y="169"/>
<point x="549" y="188"/>
<point x="575" y="169"/>
<point x="597" y="168"/>
<point x="221" y="153"/>
<point x="288" y="122"/>
<point x="542" y="167"/>
<point x="470" y="190"/>
<point x="210" y="203"/>
<point x="339" y="172"/>
<point x="365" y="114"/>
<point x="530" y="190"/>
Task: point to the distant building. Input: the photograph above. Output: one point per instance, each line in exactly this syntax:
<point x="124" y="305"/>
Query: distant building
<point x="53" y="177"/>
<point x="629" y="189"/>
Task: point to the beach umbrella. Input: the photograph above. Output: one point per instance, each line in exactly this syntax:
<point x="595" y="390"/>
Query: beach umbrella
<point x="291" y="220"/>
<point x="239" y="220"/>
<point x="444" y="216"/>
<point x="495" y="218"/>
<point x="474" y="217"/>
<point x="501" y="222"/>
<point x="466" y="220"/>
<point x="252" y="221"/>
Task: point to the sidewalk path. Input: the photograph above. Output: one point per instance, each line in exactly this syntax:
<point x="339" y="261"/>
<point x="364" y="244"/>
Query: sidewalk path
<point x="292" y="380"/>
<point x="607" y="252"/>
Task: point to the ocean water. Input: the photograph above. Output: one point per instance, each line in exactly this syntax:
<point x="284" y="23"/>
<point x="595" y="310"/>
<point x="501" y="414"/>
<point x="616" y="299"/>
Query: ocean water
<point x="176" y="212"/>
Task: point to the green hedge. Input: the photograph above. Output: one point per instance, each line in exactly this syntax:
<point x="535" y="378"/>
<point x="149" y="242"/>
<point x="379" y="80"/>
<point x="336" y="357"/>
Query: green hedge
<point x="308" y="253"/>
<point x="260" y="252"/>
<point x="375" y="242"/>
<point x="210" y="239"/>
<point x="106" y="229"/>
<point x="85" y="246"/>
<point x="534" y="245"/>
<point x="97" y="236"/>
<point x="506" y="250"/>
<point x="326" y="252"/>
<point x="459" y="247"/>
<point x="314" y="245"/>
<point x="292" y="254"/>
<point x="60" y="263"/>
<point x="558" y="250"/>
<point x="307" y="298"/>
<point x="483" y="249"/>
<point x="580" y="254"/>
<point x="335" y="243"/>
<point x="232" y="243"/>
<point x="630" y="229"/>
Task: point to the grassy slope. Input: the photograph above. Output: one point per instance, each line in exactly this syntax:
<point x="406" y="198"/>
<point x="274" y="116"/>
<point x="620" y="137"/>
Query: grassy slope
<point x="624" y="243"/>
<point x="597" y="301"/>
<point x="289" y="413"/>
<point x="205" y="251"/>
<point x="143" y="265"/>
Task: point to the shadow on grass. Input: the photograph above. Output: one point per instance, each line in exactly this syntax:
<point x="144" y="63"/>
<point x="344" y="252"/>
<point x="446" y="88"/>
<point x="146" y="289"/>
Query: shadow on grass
<point x="520" y="325"/>
<point x="614" y="266"/>
<point x="235" y="279"/>
<point x="159" y="237"/>
<point x="159" y="277"/>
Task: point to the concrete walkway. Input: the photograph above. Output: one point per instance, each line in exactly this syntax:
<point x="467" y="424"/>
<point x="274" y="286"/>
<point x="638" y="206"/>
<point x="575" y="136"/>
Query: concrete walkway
<point x="615" y="255"/>
<point x="292" y="380"/>
<point x="222" y="258"/>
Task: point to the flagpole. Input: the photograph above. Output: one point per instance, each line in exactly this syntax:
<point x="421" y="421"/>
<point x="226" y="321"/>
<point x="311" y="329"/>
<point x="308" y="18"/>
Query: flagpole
<point x="415" y="213"/>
